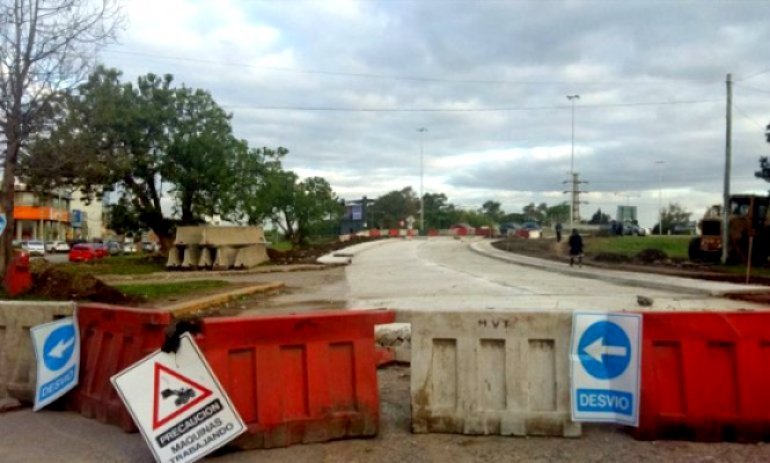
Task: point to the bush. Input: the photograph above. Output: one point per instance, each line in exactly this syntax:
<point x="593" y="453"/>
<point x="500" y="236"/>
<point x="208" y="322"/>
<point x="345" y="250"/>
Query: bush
<point x="650" y="255"/>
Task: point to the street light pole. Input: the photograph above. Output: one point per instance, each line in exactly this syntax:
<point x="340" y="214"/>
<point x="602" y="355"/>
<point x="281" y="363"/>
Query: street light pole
<point x="660" y="197"/>
<point x="572" y="99"/>
<point x="422" y="130"/>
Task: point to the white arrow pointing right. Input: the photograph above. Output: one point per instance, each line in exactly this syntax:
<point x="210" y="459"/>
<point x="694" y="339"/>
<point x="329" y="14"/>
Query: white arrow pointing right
<point x="597" y="348"/>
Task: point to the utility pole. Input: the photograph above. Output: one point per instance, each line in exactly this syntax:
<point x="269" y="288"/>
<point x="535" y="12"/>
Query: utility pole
<point x="572" y="175"/>
<point x="728" y="156"/>
<point x="422" y="130"/>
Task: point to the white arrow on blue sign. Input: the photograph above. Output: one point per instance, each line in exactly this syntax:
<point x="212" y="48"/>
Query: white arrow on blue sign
<point x="3" y="223"/>
<point x="605" y="365"/>
<point x="57" y="350"/>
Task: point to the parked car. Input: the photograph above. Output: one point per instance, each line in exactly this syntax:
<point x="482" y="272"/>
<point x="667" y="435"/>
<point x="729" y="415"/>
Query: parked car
<point x="56" y="246"/>
<point x="33" y="247"/>
<point x="509" y="228"/>
<point x="114" y="248"/>
<point x="149" y="246"/>
<point x="83" y="252"/>
<point x="129" y="247"/>
<point x="100" y="249"/>
<point x="530" y="230"/>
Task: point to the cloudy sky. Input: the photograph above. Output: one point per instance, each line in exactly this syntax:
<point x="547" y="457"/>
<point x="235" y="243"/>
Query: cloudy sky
<point x="345" y="84"/>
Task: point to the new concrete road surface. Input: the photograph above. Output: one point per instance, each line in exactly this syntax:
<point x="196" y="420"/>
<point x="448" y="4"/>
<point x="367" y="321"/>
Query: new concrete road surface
<point x="447" y="274"/>
<point x="420" y="274"/>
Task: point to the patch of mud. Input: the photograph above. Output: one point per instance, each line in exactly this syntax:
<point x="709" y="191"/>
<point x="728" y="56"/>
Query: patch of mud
<point x="52" y="283"/>
<point x="309" y="254"/>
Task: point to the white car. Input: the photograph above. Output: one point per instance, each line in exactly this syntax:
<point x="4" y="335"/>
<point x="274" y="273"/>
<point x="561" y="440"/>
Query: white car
<point x="57" y="246"/>
<point x="33" y="247"/>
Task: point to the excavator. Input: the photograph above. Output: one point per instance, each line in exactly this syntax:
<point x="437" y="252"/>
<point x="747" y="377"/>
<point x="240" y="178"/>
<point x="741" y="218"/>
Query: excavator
<point x="748" y="232"/>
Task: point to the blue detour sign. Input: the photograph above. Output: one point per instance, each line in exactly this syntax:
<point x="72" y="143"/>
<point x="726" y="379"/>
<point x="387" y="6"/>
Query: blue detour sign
<point x="3" y="223"/>
<point x="605" y="360"/>
<point x="57" y="350"/>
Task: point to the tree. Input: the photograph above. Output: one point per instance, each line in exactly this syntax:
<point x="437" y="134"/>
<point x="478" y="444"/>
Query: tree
<point x="47" y="48"/>
<point x="535" y="213"/>
<point x="672" y="215"/>
<point x="439" y="212"/>
<point x="396" y="206"/>
<point x="493" y="210"/>
<point x="557" y="214"/>
<point x="599" y="218"/>
<point x="304" y="208"/>
<point x="145" y="140"/>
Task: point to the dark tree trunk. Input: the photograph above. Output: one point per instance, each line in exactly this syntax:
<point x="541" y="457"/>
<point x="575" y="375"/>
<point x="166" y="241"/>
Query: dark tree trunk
<point x="8" y="201"/>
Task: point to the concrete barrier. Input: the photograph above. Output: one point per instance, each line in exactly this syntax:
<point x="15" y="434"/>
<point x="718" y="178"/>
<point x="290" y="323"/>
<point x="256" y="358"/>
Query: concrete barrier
<point x="218" y="247"/>
<point x="17" y="355"/>
<point x="481" y="372"/>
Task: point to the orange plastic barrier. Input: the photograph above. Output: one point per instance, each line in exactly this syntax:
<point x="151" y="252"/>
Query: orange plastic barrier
<point x="111" y="339"/>
<point x="374" y="233"/>
<point x="432" y="232"/>
<point x="393" y="232"/>
<point x="298" y="378"/>
<point x="705" y="376"/>
<point x="18" y="279"/>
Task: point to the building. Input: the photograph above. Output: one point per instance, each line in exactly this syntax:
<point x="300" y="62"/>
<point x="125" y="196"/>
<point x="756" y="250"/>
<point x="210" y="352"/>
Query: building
<point x="40" y="216"/>
<point x="355" y="216"/>
<point x="88" y="217"/>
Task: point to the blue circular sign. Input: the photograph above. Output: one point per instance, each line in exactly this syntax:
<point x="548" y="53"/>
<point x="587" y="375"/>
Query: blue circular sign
<point x="58" y="347"/>
<point x="604" y="350"/>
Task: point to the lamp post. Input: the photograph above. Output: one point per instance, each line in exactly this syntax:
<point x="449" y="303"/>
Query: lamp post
<point x="660" y="197"/>
<point x="572" y="99"/>
<point x="422" y="131"/>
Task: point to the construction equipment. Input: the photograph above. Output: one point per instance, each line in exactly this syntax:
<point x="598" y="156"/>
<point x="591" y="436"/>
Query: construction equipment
<point x="748" y="232"/>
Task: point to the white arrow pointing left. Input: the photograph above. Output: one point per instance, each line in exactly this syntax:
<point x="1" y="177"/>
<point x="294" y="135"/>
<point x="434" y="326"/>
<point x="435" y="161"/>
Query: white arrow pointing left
<point x="60" y="347"/>
<point x="597" y="348"/>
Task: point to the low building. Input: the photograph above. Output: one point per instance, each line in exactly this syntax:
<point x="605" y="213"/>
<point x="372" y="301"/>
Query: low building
<point x="88" y="218"/>
<point x="39" y="216"/>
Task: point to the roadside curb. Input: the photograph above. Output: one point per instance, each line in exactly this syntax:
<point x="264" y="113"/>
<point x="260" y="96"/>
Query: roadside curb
<point x="345" y="256"/>
<point x="207" y="274"/>
<point x="187" y="308"/>
<point x="650" y="281"/>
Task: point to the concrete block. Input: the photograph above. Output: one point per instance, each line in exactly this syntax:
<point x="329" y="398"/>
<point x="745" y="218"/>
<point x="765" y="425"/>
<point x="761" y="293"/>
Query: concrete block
<point x="206" y="260"/>
<point x="251" y="256"/>
<point x="17" y="355"/>
<point x="232" y="236"/>
<point x="173" y="257"/>
<point x="192" y="255"/>
<point x="482" y="372"/>
<point x="225" y="257"/>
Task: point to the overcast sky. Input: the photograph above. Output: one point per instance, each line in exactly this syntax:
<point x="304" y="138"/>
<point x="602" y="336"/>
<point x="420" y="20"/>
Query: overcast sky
<point x="344" y="85"/>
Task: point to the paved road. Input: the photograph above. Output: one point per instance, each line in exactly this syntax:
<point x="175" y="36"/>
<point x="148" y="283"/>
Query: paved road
<point x="446" y="274"/>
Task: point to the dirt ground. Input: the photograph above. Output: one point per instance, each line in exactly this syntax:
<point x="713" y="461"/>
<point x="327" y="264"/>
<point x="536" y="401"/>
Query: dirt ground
<point x="396" y="444"/>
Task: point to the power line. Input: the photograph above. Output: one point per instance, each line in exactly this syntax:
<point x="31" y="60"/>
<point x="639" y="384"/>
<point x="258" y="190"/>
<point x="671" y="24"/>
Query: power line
<point x="463" y="110"/>
<point x="753" y="75"/>
<point x="753" y="89"/>
<point x="367" y="75"/>
<point x="746" y="116"/>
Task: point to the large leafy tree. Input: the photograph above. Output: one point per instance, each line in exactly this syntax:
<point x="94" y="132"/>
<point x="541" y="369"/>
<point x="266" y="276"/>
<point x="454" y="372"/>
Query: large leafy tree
<point x="672" y="215"/>
<point x="493" y="210"/>
<point x="395" y="206"/>
<point x="146" y="141"/>
<point x="46" y="47"/>
<point x="302" y="208"/>
<point x="439" y="212"/>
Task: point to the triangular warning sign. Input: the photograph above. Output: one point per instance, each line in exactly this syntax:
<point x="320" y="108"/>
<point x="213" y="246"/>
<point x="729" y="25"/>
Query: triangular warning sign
<point x="174" y="394"/>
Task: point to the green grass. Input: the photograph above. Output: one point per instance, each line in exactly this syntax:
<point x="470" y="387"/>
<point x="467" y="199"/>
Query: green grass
<point x="282" y="246"/>
<point x="117" y="265"/>
<point x="160" y="290"/>
<point x="675" y="246"/>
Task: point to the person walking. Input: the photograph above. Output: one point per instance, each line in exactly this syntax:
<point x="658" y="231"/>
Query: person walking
<point x="575" y="248"/>
<point x="558" y="232"/>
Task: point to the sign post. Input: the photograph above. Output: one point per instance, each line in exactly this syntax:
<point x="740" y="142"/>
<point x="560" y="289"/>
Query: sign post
<point x="605" y="361"/>
<point x="178" y="404"/>
<point x="57" y="351"/>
